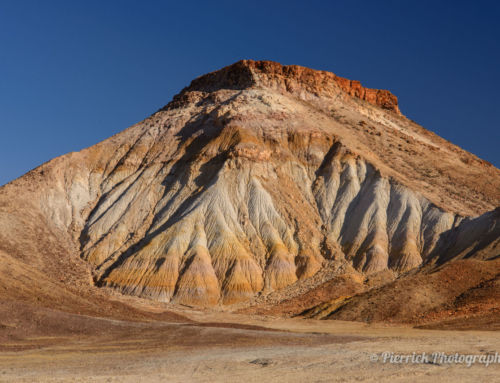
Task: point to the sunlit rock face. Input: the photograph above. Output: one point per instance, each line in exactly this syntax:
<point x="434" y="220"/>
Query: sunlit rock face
<point x="256" y="176"/>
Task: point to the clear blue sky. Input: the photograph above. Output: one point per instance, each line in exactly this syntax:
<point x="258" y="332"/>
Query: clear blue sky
<point x="76" y="72"/>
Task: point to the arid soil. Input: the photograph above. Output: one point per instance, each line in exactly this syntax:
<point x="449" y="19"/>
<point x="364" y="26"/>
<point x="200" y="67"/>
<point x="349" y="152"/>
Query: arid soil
<point x="466" y="291"/>
<point x="238" y="348"/>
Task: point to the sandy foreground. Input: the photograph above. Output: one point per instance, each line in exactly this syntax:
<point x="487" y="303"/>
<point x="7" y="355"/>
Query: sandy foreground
<point x="221" y="347"/>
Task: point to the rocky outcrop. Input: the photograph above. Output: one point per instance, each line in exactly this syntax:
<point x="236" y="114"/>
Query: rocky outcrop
<point x="381" y="98"/>
<point x="290" y="78"/>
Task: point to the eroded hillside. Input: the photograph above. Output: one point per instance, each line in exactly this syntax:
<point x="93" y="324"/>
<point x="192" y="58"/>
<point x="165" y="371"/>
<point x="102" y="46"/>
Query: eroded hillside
<point x="254" y="179"/>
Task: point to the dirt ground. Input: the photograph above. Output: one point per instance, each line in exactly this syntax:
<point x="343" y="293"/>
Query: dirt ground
<point x="223" y="347"/>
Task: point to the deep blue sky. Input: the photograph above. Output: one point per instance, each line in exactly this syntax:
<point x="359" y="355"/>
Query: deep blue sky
<point x="76" y="72"/>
